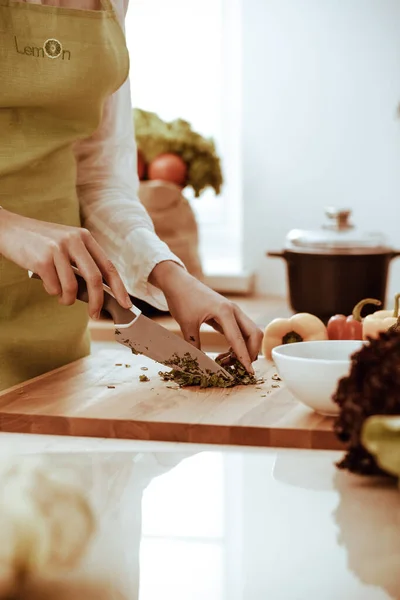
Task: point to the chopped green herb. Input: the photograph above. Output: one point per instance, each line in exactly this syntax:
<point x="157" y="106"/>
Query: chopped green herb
<point x="118" y="364"/>
<point x="143" y="378"/>
<point x="128" y="366"/>
<point x="144" y="369"/>
<point x="189" y="373"/>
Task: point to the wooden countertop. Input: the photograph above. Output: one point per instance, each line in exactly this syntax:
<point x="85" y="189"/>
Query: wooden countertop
<point x="261" y="309"/>
<point x="101" y="396"/>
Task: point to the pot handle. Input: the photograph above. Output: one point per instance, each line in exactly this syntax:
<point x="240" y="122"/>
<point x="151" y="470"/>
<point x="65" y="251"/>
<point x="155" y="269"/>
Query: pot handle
<point x="280" y="254"/>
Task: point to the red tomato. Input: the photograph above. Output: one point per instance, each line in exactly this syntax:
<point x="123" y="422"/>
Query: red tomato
<point x="141" y="165"/>
<point x="168" y="167"/>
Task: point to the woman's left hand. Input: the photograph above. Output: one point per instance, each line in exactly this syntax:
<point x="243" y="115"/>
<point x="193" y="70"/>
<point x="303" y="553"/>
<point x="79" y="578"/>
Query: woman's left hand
<point x="192" y="303"/>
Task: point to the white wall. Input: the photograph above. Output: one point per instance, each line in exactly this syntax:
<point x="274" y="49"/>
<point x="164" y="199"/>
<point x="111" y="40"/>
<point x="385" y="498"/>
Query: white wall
<point x="321" y="82"/>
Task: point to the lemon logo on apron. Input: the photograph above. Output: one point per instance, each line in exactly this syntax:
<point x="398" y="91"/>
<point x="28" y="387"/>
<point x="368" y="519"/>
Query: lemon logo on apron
<point x="52" y="48"/>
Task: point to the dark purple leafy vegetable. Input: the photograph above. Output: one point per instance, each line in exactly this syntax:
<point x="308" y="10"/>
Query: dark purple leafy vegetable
<point x="371" y="388"/>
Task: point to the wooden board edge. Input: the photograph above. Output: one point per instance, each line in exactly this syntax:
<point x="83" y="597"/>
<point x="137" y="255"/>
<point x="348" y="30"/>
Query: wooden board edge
<point x="220" y="435"/>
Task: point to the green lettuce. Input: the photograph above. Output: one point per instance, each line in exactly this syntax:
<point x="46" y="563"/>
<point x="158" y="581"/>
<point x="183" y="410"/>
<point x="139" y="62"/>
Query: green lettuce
<point x="154" y="136"/>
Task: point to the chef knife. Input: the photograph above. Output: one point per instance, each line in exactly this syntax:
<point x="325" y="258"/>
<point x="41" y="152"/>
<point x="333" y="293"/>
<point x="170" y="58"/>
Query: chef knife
<point x="144" y="336"/>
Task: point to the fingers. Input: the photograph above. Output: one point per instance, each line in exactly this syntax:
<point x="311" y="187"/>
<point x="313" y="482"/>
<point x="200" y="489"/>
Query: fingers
<point x="227" y="320"/>
<point x="227" y="358"/>
<point x="55" y="247"/>
<point x="251" y="333"/>
<point x="81" y="248"/>
<point x="107" y="269"/>
<point x="69" y="284"/>
<point x="213" y="323"/>
<point x="46" y="270"/>
<point x="92" y="275"/>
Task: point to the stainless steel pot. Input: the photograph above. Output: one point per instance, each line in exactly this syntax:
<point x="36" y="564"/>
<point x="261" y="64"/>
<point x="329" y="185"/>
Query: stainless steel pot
<point x="332" y="269"/>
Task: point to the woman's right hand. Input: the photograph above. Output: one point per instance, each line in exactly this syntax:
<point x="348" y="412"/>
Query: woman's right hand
<point x="48" y="250"/>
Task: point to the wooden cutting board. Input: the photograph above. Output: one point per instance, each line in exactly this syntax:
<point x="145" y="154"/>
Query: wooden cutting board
<point x="100" y="396"/>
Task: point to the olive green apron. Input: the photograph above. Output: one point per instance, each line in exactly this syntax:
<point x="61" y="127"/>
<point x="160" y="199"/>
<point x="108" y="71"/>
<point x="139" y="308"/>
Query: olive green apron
<point x="57" y="67"/>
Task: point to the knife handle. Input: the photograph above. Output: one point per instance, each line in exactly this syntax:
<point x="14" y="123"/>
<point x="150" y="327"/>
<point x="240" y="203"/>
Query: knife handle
<point x="119" y="314"/>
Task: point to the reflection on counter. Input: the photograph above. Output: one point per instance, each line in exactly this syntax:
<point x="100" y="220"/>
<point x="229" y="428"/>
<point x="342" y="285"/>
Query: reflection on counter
<point x="230" y="525"/>
<point x="368" y="518"/>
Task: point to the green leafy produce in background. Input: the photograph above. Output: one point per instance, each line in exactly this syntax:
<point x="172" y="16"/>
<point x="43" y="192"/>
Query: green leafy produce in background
<point x="381" y="437"/>
<point x="155" y="137"/>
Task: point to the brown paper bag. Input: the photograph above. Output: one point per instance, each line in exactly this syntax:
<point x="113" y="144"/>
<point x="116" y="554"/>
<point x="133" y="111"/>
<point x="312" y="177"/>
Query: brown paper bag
<point x="174" y="221"/>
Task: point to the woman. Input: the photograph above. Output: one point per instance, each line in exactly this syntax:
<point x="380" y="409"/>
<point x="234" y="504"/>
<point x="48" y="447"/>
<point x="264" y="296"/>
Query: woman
<point x="68" y="191"/>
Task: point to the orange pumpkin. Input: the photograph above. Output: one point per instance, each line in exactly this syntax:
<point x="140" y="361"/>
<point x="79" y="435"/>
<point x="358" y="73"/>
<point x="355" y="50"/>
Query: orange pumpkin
<point x="168" y="167"/>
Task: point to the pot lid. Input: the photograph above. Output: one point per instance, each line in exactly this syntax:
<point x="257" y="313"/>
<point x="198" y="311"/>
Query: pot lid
<point x="337" y="235"/>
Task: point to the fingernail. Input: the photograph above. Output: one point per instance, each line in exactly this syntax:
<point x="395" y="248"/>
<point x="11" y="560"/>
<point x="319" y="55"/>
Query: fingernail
<point x="128" y="302"/>
<point x="96" y="315"/>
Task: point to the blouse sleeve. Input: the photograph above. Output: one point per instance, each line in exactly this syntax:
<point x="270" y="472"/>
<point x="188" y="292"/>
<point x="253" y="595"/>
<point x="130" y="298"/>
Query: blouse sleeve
<point x="107" y="187"/>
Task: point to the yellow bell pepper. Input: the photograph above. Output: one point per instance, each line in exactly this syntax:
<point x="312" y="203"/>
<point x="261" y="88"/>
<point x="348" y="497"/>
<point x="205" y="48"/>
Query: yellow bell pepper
<point x="380" y="321"/>
<point x="302" y="327"/>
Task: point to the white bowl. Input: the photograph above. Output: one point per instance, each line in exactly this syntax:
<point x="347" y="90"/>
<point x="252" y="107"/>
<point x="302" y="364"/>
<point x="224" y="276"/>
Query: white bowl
<point x="311" y="370"/>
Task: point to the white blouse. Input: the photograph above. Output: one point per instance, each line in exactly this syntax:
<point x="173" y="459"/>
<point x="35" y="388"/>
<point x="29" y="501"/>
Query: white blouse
<point x="107" y="186"/>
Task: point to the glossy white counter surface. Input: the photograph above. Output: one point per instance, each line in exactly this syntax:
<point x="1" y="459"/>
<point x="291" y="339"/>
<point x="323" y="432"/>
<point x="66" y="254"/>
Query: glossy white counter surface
<point x="199" y="523"/>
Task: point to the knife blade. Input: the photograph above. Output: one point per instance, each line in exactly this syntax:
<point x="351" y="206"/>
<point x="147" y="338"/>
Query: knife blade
<point x="144" y="336"/>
